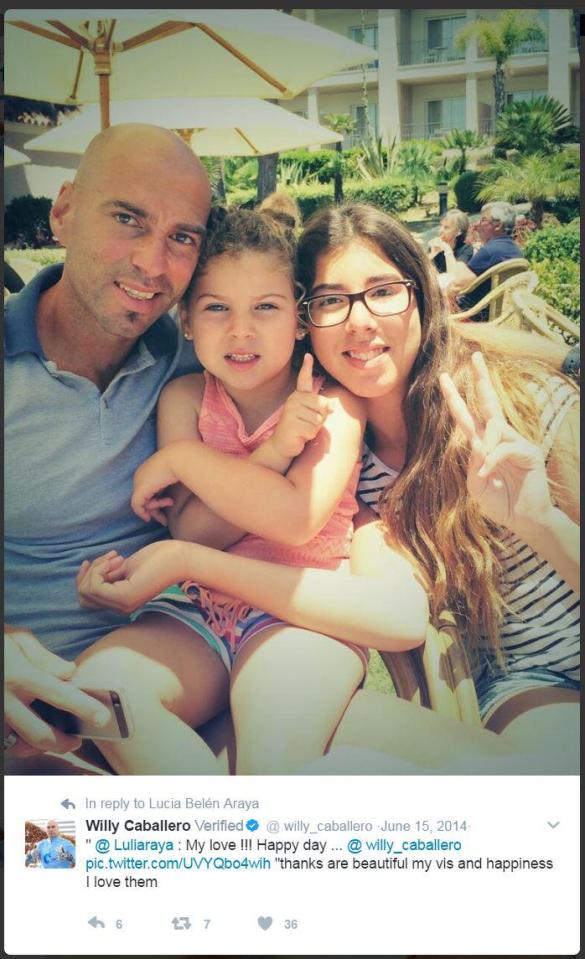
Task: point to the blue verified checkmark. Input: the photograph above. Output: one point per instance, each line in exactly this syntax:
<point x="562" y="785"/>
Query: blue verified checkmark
<point x="252" y="825"/>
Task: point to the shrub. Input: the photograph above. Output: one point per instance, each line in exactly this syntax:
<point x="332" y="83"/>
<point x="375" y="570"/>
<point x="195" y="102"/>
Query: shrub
<point x="391" y="195"/>
<point x="313" y="163"/>
<point x="26" y="218"/>
<point x="466" y="188"/>
<point x="559" y="285"/>
<point x="554" y="242"/>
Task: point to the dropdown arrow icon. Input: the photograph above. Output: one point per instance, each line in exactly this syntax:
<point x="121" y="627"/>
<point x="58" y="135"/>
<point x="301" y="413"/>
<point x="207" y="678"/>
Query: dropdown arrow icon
<point x="553" y="825"/>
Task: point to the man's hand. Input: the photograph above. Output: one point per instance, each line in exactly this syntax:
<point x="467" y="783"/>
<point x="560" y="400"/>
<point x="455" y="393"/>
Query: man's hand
<point x="154" y="475"/>
<point x="32" y="672"/>
<point x="303" y="415"/>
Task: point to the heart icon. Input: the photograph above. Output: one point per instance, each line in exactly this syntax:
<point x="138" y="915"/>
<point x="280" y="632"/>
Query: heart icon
<point x="265" y="922"/>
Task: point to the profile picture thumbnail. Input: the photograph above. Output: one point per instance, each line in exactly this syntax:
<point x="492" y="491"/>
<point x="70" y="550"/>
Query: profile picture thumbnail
<point x="49" y="843"/>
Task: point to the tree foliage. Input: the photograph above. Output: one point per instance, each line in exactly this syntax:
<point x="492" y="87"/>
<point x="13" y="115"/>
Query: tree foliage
<point x="500" y="38"/>
<point x="535" y="179"/>
<point x="535" y="126"/>
<point x="462" y="140"/>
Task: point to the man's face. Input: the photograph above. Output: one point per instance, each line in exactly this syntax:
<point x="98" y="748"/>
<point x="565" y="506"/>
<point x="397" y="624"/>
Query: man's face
<point x="133" y="232"/>
<point x="52" y="828"/>
<point x="488" y="227"/>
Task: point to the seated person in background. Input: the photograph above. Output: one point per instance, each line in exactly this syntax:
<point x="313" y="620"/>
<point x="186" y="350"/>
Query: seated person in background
<point x="450" y="245"/>
<point x="523" y="227"/>
<point x="496" y="224"/>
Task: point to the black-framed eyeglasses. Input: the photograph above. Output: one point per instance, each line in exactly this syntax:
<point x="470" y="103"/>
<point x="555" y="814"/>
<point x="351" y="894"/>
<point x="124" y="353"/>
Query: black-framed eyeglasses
<point x="386" y="299"/>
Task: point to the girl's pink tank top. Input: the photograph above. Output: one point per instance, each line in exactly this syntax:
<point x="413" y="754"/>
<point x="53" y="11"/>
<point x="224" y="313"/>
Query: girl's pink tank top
<point x="221" y="426"/>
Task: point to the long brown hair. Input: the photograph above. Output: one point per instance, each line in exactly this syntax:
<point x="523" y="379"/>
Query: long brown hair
<point x="427" y="511"/>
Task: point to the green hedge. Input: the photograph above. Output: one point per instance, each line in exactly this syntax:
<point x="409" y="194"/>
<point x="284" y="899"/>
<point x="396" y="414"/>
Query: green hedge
<point x="554" y="242"/>
<point x="313" y="162"/>
<point x="391" y="195"/>
<point x="559" y="284"/>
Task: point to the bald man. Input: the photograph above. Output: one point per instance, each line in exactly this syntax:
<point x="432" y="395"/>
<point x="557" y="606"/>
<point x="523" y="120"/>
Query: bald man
<point x="89" y="345"/>
<point x="55" y="852"/>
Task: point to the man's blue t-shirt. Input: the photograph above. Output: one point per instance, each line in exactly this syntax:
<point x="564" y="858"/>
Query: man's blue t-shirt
<point x="53" y="853"/>
<point x="495" y="251"/>
<point x="70" y="455"/>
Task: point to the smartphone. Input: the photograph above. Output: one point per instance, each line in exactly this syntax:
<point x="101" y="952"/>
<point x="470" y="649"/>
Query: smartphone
<point x="119" y="727"/>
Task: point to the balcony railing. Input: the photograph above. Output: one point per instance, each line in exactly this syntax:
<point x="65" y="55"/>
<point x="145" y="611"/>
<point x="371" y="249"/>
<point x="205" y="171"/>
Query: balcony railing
<point x="436" y="130"/>
<point x="372" y="65"/>
<point x="424" y="131"/>
<point x="356" y="138"/>
<point x="529" y="46"/>
<point x="420" y="52"/>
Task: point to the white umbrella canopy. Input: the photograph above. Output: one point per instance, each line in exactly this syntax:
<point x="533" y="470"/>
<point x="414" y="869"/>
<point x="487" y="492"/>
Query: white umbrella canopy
<point x="214" y="126"/>
<point x="148" y="54"/>
<point x="14" y="157"/>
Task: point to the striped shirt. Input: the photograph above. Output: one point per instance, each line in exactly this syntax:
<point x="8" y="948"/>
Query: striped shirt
<point x="540" y="626"/>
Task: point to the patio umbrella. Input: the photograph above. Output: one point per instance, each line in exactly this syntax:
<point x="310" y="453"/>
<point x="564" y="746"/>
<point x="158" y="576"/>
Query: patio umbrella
<point x="214" y="126"/>
<point x="147" y="54"/>
<point x="14" y="157"/>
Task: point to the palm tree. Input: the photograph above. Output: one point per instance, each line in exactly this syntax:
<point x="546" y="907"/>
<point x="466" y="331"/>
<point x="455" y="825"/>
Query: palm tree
<point x="416" y="159"/>
<point x="535" y="126"/>
<point x="340" y="123"/>
<point x="462" y="140"/>
<point x="500" y="38"/>
<point x="536" y="178"/>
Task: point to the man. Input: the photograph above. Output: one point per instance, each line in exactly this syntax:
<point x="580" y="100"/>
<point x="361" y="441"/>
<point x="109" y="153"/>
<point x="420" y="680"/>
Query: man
<point x="56" y="852"/>
<point x="89" y="345"/>
<point x="495" y="228"/>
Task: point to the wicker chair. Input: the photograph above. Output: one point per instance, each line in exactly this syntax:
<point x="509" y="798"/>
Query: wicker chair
<point x="499" y="300"/>
<point x="531" y="312"/>
<point x="497" y="275"/>
<point x="437" y="675"/>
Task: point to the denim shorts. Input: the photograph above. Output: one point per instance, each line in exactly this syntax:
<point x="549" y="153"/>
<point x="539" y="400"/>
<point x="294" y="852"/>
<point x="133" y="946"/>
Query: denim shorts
<point x="495" y="686"/>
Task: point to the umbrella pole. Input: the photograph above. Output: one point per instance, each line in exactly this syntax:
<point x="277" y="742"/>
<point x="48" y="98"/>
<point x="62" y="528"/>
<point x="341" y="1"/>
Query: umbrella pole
<point x="102" y="63"/>
<point x="105" y="101"/>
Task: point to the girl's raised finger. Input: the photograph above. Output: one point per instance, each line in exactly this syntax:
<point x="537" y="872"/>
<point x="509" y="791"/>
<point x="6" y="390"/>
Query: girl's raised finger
<point x="458" y="407"/>
<point x="488" y="398"/>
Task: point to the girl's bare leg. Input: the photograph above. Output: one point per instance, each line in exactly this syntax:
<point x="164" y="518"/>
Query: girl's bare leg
<point x="173" y="682"/>
<point x="289" y="688"/>
<point x="410" y="732"/>
<point x="549" y="729"/>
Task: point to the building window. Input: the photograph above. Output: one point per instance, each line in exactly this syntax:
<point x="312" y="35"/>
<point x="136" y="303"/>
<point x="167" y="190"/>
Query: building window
<point x="443" y="115"/>
<point x="368" y="35"/>
<point x="518" y="95"/>
<point x="441" y="34"/>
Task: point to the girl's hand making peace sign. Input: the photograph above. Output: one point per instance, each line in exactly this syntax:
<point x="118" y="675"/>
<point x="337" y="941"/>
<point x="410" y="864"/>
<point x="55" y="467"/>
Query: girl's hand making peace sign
<point x="506" y="473"/>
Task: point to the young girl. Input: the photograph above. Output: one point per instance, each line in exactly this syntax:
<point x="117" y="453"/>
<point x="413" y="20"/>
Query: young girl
<point x="229" y="436"/>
